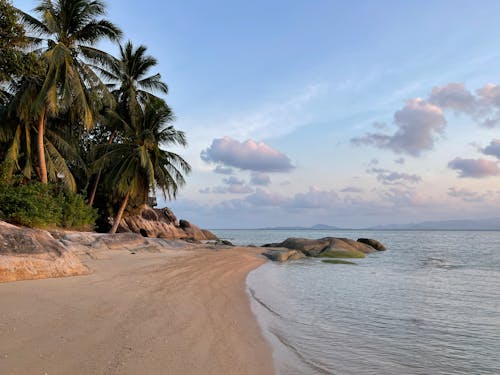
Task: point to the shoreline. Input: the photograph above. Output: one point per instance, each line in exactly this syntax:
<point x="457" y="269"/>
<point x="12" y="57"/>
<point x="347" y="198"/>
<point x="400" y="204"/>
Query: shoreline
<point x="178" y="311"/>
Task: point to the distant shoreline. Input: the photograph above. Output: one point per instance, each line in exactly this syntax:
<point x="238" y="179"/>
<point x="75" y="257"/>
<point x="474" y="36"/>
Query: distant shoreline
<point x="364" y="229"/>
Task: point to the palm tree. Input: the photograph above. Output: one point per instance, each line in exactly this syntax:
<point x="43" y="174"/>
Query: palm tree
<point x="130" y="84"/>
<point x="68" y="29"/>
<point x="18" y="130"/>
<point x="139" y="164"/>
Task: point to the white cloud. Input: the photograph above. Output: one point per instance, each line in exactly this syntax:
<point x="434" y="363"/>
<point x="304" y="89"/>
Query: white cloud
<point x="493" y="148"/>
<point x="454" y="96"/>
<point x="474" y="168"/>
<point x="260" y="179"/>
<point x="248" y="155"/>
<point x="388" y="177"/>
<point x="223" y="170"/>
<point x="418" y="122"/>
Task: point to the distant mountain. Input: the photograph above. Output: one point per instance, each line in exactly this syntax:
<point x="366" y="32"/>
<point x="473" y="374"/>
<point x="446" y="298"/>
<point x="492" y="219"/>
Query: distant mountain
<point x="477" y="224"/>
<point x="314" y="227"/>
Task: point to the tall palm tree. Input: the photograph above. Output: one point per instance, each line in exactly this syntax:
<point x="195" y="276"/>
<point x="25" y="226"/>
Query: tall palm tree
<point x="139" y="164"/>
<point x="129" y="80"/>
<point x="18" y="130"/>
<point x="67" y="31"/>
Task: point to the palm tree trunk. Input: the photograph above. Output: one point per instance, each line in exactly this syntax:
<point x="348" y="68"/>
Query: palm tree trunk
<point x="145" y="197"/>
<point x="119" y="215"/>
<point x="94" y="188"/>
<point x="41" y="149"/>
<point x="98" y="177"/>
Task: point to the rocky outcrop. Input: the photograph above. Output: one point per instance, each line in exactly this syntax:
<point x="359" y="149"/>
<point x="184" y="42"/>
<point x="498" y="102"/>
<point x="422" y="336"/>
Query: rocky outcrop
<point x="162" y="223"/>
<point x="373" y="243"/>
<point x="27" y="254"/>
<point x="95" y="245"/>
<point x="193" y="232"/>
<point x="328" y="247"/>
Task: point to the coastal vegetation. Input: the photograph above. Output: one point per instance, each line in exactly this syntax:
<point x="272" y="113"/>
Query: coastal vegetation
<point x="84" y="136"/>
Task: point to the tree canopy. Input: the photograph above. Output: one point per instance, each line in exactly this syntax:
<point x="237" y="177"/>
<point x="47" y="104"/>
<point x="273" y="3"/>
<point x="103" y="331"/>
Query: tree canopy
<point x="79" y="112"/>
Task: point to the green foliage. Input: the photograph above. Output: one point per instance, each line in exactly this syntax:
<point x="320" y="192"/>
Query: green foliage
<point x="44" y="205"/>
<point x="13" y="60"/>
<point x="73" y="113"/>
<point x="76" y="213"/>
<point x="32" y="205"/>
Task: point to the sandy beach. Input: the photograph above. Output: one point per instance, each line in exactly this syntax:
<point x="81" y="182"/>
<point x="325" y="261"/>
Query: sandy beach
<point x="175" y="312"/>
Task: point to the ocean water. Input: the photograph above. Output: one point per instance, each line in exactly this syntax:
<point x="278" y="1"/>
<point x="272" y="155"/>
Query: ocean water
<point x="430" y="304"/>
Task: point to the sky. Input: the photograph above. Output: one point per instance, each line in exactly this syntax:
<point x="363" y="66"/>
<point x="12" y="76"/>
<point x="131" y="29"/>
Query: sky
<point x="347" y="113"/>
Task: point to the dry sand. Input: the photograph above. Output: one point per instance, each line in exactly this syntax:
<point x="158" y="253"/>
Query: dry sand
<point x="177" y="312"/>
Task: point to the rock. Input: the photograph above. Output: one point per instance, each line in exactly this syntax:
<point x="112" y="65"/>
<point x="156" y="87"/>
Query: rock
<point x="373" y="243"/>
<point x="27" y="254"/>
<point x="209" y="235"/>
<point x="326" y="247"/>
<point x="224" y="242"/>
<point x="192" y="231"/>
<point x="157" y="223"/>
<point x="347" y="243"/>
<point x="162" y="223"/>
<point x="282" y="255"/>
<point x="338" y="252"/>
<point x="307" y="246"/>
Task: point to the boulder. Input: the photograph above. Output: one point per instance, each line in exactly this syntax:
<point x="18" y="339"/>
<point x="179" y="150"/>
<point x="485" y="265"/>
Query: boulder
<point x="191" y="230"/>
<point x="331" y="247"/>
<point x="162" y="223"/>
<point x="373" y="243"/>
<point x="282" y="255"/>
<point x="158" y="223"/>
<point x="27" y="254"/>
<point x="307" y="246"/>
<point x="209" y="235"/>
<point x="347" y="243"/>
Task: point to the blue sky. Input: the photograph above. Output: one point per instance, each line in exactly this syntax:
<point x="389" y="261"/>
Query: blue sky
<point x="337" y="112"/>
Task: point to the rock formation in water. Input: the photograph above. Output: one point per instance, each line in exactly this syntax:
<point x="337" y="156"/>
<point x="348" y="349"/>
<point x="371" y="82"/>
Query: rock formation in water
<point x="373" y="243"/>
<point x="328" y="247"/>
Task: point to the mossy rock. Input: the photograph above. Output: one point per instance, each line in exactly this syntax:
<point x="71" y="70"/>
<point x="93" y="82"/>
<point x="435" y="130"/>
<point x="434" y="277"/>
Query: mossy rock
<point x="338" y="261"/>
<point x="342" y="253"/>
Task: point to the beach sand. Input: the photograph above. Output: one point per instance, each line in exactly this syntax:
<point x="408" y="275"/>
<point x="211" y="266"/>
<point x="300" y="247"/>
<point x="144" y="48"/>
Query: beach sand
<point x="176" y="312"/>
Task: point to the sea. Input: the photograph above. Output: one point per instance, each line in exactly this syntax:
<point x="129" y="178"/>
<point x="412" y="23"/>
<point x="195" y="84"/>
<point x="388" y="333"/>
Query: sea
<point x="430" y="304"/>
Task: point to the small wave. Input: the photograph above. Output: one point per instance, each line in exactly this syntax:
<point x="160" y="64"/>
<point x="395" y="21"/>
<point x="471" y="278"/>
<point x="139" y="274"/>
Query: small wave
<point x="309" y="363"/>
<point x="263" y="304"/>
<point x="439" y="263"/>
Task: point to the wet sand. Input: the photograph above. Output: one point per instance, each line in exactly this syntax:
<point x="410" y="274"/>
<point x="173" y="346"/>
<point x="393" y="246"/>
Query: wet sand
<point x="176" y="312"/>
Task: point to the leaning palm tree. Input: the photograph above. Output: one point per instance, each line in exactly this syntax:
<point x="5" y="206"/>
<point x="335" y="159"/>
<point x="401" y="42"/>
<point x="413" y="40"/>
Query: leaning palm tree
<point x="129" y="80"/>
<point x="67" y="30"/>
<point x="140" y="164"/>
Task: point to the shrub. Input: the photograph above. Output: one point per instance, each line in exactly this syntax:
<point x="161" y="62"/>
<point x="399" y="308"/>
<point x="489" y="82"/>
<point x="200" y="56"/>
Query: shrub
<point x="44" y="205"/>
<point x="76" y="213"/>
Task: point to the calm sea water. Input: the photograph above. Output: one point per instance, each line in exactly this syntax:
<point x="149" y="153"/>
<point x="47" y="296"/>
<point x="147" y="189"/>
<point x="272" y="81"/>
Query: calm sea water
<point x="430" y="304"/>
